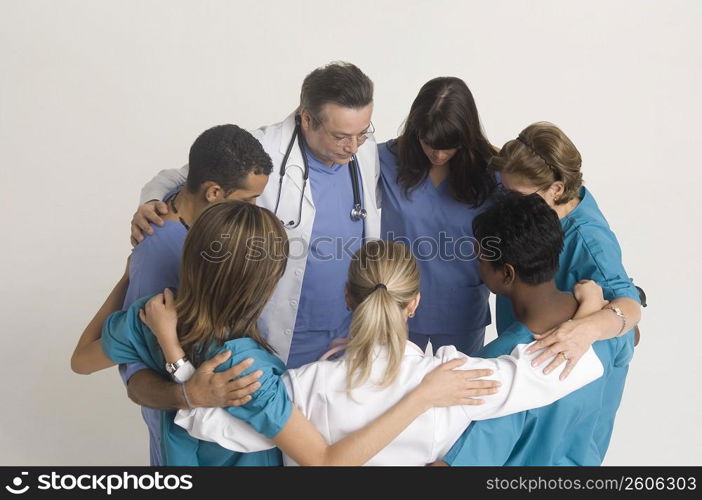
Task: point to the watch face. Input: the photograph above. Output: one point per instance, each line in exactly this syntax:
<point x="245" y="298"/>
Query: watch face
<point x="171" y="368"/>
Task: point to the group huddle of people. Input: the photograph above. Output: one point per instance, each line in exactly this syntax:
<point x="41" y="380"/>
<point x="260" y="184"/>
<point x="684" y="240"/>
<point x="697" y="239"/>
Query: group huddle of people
<point x="335" y="314"/>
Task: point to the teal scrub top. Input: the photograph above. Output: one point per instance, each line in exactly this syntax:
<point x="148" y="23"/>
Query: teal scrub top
<point x="590" y="251"/>
<point x="125" y="339"/>
<point x="562" y="433"/>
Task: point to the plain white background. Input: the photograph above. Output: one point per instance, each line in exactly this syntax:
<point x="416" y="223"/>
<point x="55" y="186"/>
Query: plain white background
<point x="95" y="97"/>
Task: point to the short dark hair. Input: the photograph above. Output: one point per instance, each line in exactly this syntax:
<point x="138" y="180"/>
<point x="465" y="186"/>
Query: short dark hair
<point x="526" y="233"/>
<point x="444" y="116"/>
<point x="338" y="82"/>
<point x="226" y="154"/>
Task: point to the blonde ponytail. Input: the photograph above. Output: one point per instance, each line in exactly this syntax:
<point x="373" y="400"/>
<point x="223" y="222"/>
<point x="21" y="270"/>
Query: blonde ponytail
<point x="383" y="280"/>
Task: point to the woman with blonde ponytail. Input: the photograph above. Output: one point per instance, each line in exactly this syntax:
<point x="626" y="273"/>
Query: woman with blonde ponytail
<point x="383" y="291"/>
<point x="381" y="365"/>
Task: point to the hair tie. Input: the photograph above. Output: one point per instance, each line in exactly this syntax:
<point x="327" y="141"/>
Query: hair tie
<point x="533" y="150"/>
<point x="380" y="285"/>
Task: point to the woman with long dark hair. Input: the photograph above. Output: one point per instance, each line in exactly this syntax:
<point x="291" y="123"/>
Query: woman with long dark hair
<point x="435" y="180"/>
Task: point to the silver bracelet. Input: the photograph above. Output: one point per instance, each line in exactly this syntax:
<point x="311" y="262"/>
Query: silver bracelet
<point x="619" y="313"/>
<point x="185" y="396"/>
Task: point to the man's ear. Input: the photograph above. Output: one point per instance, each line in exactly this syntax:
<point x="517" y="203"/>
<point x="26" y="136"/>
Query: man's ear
<point x="213" y="192"/>
<point x="306" y="121"/>
<point x="510" y="275"/>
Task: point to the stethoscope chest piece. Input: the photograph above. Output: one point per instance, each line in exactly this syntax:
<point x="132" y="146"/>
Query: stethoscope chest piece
<point x="358" y="213"/>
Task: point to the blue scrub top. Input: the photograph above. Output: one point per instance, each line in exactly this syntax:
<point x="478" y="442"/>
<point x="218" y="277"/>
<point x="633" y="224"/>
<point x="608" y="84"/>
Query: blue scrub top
<point x="335" y="237"/>
<point x="154" y="266"/>
<point x="562" y="433"/>
<point x="125" y="339"/>
<point x="155" y="262"/>
<point x="439" y="231"/>
<point x="590" y="251"/>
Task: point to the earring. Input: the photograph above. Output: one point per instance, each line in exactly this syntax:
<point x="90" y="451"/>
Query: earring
<point x="411" y="315"/>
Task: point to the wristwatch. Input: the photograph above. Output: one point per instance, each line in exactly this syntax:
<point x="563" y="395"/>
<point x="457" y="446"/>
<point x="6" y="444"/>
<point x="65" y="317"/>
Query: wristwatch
<point x="172" y="367"/>
<point x="619" y="313"/>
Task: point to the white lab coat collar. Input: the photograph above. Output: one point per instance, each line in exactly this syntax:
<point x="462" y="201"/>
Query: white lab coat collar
<point x="411" y="349"/>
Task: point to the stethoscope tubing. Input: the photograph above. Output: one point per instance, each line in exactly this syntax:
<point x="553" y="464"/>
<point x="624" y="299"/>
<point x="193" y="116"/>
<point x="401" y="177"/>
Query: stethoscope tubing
<point x="357" y="212"/>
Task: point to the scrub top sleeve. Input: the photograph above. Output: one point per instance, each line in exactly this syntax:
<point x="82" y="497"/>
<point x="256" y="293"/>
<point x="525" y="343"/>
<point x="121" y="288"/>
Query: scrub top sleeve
<point x="123" y="335"/>
<point x="164" y="182"/>
<point x="488" y="442"/>
<point x="127" y="370"/>
<point x="599" y="258"/>
<point x="158" y="264"/>
<point x="270" y="407"/>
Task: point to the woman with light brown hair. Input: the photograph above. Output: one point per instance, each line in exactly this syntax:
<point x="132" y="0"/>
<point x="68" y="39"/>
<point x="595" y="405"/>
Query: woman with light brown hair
<point x="381" y="365"/>
<point x="542" y="159"/>
<point x="233" y="257"/>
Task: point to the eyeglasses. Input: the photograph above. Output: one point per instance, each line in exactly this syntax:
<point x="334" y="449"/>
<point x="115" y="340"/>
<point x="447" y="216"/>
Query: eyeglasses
<point x="347" y="140"/>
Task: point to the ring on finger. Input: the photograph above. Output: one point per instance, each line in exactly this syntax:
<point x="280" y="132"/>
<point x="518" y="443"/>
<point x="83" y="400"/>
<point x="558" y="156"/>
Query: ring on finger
<point x="565" y="358"/>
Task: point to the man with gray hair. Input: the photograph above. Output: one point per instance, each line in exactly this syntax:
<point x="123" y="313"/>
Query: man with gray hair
<point x="325" y="173"/>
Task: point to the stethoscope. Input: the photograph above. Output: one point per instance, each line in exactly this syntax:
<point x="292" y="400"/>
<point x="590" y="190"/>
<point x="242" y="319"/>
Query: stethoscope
<point x="357" y="212"/>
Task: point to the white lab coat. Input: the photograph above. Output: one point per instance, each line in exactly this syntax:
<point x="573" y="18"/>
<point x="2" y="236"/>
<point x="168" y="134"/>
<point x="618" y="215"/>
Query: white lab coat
<point x="277" y="321"/>
<point x="319" y="391"/>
